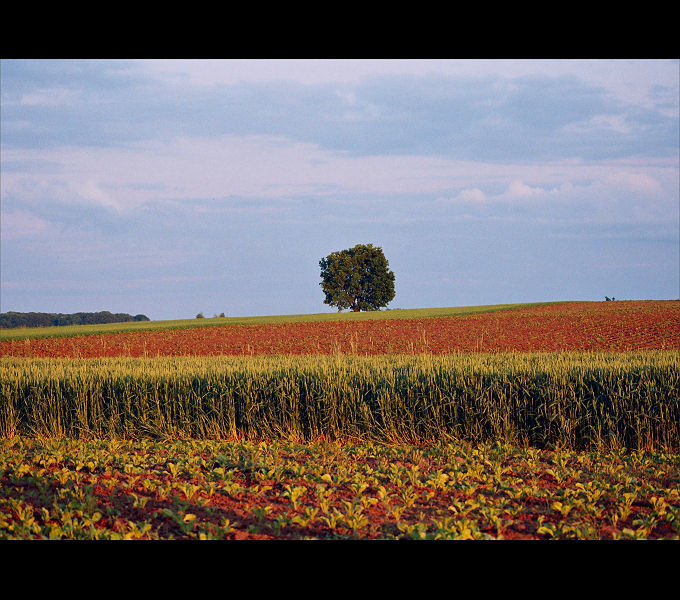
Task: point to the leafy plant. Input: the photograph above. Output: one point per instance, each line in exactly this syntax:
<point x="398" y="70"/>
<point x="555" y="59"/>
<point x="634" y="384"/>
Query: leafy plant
<point x="357" y="278"/>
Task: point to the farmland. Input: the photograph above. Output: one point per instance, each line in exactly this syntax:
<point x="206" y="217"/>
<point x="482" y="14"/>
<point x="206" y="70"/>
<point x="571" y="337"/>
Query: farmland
<point x="542" y="421"/>
<point x="62" y="488"/>
<point x="21" y="333"/>
<point x="577" y="326"/>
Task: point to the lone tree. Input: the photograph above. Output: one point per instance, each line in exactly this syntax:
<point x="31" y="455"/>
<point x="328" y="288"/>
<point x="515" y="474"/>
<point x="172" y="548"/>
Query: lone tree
<point x="357" y="278"/>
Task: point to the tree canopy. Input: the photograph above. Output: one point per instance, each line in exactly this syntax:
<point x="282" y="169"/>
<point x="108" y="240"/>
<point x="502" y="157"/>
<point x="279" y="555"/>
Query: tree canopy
<point x="39" y="319"/>
<point x="357" y="278"/>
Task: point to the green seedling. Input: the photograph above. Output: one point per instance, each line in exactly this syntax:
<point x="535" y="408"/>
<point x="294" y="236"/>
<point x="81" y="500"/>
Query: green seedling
<point x="139" y="501"/>
<point x="293" y="493"/>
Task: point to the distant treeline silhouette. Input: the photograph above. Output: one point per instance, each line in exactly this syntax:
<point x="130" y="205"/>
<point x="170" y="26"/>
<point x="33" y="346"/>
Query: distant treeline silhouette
<point x="39" y="319"/>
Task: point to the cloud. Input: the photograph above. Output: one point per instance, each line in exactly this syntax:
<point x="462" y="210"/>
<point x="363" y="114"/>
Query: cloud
<point x="108" y="185"/>
<point x="474" y="195"/>
<point x="92" y="193"/>
<point x="518" y="189"/>
<point x="464" y="110"/>
<point x="221" y="167"/>
<point x="48" y="97"/>
<point x="631" y="81"/>
<point x="638" y="182"/>
<point x="244" y="169"/>
<point x="18" y="224"/>
<point x="615" y="123"/>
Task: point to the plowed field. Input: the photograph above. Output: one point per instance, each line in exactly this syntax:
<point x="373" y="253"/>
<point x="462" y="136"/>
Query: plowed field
<point x="575" y="326"/>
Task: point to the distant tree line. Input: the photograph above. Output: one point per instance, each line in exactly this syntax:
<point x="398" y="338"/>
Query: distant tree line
<point x="39" y="319"/>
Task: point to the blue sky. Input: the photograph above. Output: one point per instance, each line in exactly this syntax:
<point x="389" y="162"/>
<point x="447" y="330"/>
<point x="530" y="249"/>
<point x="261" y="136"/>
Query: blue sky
<point x="171" y="187"/>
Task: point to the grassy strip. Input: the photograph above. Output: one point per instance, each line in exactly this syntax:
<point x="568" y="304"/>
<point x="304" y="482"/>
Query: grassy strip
<point x="133" y="326"/>
<point x="570" y="400"/>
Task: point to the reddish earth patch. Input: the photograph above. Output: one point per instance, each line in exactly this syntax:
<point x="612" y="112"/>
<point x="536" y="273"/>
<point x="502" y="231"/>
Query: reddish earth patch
<point x="576" y="326"/>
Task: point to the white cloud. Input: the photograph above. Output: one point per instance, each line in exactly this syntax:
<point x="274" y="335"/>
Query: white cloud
<point x="279" y="169"/>
<point x="468" y="196"/>
<point x="518" y="189"/>
<point x="472" y="195"/>
<point x="633" y="81"/>
<point x="636" y="182"/>
<point x="615" y="123"/>
<point x="223" y="167"/>
<point x="306" y="71"/>
<point x="90" y="191"/>
<point x="19" y="224"/>
<point x="355" y="109"/>
<point x="47" y="97"/>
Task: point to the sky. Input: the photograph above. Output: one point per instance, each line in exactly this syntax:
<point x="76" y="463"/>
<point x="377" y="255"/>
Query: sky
<point x="173" y="187"/>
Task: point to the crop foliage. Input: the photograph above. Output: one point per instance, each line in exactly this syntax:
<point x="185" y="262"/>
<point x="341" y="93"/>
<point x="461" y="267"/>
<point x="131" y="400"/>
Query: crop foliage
<point x="574" y="400"/>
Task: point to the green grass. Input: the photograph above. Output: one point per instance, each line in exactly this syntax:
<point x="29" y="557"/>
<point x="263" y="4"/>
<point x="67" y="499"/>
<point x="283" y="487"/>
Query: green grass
<point x="410" y="313"/>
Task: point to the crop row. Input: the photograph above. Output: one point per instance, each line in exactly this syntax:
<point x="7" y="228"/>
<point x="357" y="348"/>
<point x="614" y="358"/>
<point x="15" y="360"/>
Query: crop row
<point x="575" y="326"/>
<point x="117" y="489"/>
<point x="572" y="400"/>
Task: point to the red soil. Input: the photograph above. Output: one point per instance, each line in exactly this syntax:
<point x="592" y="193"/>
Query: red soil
<point x="576" y="326"/>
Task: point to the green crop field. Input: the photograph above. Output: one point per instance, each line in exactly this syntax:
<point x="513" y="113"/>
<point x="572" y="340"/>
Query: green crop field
<point x="577" y="401"/>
